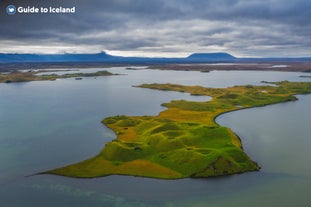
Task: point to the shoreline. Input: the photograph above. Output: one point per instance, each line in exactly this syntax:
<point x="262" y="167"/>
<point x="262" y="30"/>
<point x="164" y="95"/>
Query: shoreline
<point x="251" y="66"/>
<point x="298" y="66"/>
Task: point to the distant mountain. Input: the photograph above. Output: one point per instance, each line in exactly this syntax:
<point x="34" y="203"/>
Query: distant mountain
<point x="27" y="58"/>
<point x="103" y="57"/>
<point x="212" y="56"/>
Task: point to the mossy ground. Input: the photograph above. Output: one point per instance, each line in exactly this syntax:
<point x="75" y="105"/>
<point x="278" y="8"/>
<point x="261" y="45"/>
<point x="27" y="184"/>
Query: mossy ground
<point x="184" y="140"/>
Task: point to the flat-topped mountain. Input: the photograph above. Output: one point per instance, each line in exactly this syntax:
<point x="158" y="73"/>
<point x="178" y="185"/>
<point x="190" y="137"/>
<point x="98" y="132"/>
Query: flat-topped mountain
<point x="212" y="56"/>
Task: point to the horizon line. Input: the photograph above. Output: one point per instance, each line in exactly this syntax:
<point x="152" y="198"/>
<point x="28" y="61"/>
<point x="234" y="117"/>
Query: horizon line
<point x="156" y="57"/>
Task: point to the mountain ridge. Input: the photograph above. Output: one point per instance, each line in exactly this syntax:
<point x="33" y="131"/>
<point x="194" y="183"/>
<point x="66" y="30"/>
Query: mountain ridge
<point x="104" y="57"/>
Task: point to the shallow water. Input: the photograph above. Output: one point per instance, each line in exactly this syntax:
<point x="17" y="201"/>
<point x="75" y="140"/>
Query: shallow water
<point x="49" y="124"/>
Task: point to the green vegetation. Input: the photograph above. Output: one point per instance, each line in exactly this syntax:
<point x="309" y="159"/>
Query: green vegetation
<point x="18" y="76"/>
<point x="184" y="140"/>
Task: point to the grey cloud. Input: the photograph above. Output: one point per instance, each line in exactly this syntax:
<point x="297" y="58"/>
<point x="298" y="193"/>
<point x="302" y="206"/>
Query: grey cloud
<point x="254" y="27"/>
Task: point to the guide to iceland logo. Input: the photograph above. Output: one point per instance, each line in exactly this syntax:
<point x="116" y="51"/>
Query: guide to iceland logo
<point x="11" y="9"/>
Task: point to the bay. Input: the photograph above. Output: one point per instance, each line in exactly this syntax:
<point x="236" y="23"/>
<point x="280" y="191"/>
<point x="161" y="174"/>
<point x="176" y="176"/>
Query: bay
<point x="49" y="124"/>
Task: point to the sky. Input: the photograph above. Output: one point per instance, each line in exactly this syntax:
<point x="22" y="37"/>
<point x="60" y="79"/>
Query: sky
<point x="161" y="28"/>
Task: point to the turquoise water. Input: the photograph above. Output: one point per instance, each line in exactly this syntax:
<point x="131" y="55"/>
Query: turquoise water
<point x="49" y="124"/>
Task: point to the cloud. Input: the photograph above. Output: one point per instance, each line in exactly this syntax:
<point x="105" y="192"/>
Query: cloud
<point x="162" y="27"/>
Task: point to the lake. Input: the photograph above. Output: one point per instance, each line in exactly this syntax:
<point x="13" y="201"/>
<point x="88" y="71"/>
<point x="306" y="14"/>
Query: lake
<point x="48" y="124"/>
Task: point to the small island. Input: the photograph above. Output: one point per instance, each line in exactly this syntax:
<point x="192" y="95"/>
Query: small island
<point x="18" y="76"/>
<point x="184" y="140"/>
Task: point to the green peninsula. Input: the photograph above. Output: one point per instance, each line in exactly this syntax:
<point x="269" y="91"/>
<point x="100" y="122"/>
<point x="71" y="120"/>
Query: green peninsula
<point x="18" y="76"/>
<point x="184" y="140"/>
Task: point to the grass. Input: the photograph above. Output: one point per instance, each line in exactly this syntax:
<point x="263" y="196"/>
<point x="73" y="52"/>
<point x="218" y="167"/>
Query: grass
<point x="184" y="140"/>
<point x="18" y="76"/>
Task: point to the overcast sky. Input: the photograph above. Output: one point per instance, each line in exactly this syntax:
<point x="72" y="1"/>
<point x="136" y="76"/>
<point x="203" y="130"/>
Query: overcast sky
<point x="173" y="28"/>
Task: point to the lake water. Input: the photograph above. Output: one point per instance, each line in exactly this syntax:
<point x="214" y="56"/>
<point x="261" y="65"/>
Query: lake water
<point x="49" y="124"/>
